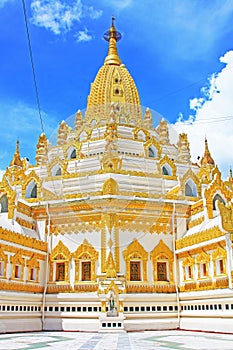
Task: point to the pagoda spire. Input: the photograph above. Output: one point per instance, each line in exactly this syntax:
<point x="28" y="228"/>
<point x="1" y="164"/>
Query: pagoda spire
<point x="112" y="36"/>
<point x="207" y="159"/>
<point x="16" y="160"/>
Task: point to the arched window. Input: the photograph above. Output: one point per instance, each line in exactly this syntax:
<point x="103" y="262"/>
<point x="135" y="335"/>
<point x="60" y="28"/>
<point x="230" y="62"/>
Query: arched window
<point x="31" y="190"/>
<point x="56" y="170"/>
<point x="73" y="154"/>
<point x="136" y="262"/>
<point x="190" y="189"/>
<point x="135" y="270"/>
<point x="4" y="204"/>
<point x="216" y="198"/>
<point x="166" y="170"/>
<point x="85" y="258"/>
<point x="141" y="135"/>
<point x="152" y="152"/>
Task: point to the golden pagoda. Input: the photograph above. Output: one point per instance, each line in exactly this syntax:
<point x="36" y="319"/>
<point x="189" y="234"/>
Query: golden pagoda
<point x="114" y="227"/>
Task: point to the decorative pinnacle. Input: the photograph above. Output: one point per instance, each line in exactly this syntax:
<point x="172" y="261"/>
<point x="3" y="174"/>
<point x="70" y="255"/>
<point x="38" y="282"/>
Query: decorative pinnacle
<point x="112" y="36"/>
<point x="16" y="158"/>
<point x="207" y="159"/>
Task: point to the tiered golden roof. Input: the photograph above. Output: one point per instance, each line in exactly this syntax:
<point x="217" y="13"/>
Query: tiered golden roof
<point x="113" y="84"/>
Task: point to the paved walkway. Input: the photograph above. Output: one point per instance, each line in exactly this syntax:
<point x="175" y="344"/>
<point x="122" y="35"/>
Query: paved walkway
<point x="157" y="340"/>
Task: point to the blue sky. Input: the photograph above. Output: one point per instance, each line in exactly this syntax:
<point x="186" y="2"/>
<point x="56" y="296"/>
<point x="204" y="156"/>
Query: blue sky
<point x="179" y="53"/>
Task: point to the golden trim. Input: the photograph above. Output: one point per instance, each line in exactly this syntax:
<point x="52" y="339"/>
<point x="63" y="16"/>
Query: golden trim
<point x="199" y="237"/>
<point x="135" y="251"/>
<point x="161" y="252"/>
<point x="10" y="236"/>
<point x="85" y="252"/>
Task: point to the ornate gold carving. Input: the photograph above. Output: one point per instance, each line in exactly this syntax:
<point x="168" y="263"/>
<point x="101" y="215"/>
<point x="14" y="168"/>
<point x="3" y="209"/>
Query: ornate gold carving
<point x="63" y="132"/>
<point x="5" y="188"/>
<point x="112" y="286"/>
<point x="18" y="238"/>
<point x="190" y="175"/>
<point x="103" y="244"/>
<point x="85" y="252"/>
<point x="103" y="306"/>
<point x="219" y="254"/>
<point x="61" y="254"/>
<point x="78" y="120"/>
<point x="57" y="161"/>
<point x="204" y="175"/>
<point x="146" y="288"/>
<point x="152" y="142"/>
<point x="17" y="262"/>
<point x="145" y="132"/>
<point x="60" y="288"/>
<point x="183" y="149"/>
<point x="216" y="186"/>
<point x="21" y="287"/>
<point x="33" y="263"/>
<point x="203" y="258"/>
<point x="197" y="207"/>
<point x="30" y="225"/>
<point x="188" y="263"/>
<point x="3" y="259"/>
<point x="167" y="160"/>
<point x="103" y="93"/>
<point x="226" y="212"/>
<point x="42" y="150"/>
<point x="111" y="268"/>
<point x="111" y="162"/>
<point x="110" y="186"/>
<point x="60" y="250"/>
<point x="32" y="177"/>
<point x="161" y="252"/>
<point x="163" y="132"/>
<point x="199" y="237"/>
<point x="116" y="247"/>
<point x="136" y="252"/>
<point x="196" y="222"/>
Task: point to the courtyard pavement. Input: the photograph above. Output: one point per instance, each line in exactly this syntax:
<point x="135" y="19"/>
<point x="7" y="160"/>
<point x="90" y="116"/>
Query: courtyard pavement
<point x="149" y="340"/>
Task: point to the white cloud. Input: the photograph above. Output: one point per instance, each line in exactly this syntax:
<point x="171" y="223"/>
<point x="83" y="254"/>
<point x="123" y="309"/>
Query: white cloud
<point x="59" y="16"/>
<point x="212" y="117"/>
<point x="89" y="11"/>
<point x="83" y="35"/>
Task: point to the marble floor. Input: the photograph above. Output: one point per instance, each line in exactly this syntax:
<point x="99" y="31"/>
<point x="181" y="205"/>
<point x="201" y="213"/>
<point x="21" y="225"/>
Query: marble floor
<point x="149" y="340"/>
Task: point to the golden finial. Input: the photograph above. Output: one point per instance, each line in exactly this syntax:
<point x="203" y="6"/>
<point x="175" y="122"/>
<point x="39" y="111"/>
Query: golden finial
<point x="16" y="158"/>
<point x="207" y="159"/>
<point x="112" y="36"/>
